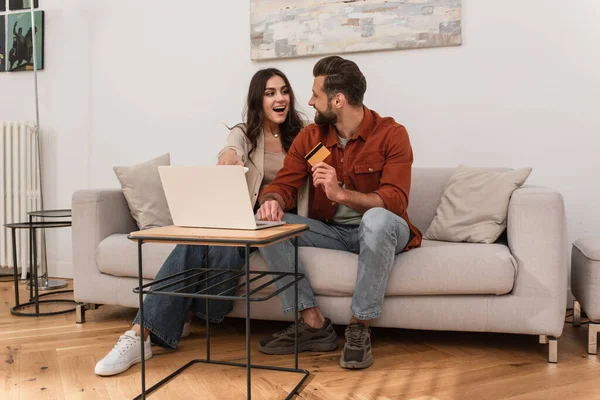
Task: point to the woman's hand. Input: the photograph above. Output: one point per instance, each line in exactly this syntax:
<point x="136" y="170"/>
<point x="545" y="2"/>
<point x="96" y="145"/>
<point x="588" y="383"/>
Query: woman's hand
<point x="229" y="157"/>
<point x="270" y="211"/>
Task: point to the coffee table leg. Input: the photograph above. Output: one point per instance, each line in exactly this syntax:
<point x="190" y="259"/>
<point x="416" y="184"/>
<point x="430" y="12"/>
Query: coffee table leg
<point x="35" y="276"/>
<point x="296" y="302"/>
<point x="30" y="264"/>
<point x="14" y="248"/>
<point x="141" y="300"/>
<point x="206" y="248"/>
<point x="248" y="367"/>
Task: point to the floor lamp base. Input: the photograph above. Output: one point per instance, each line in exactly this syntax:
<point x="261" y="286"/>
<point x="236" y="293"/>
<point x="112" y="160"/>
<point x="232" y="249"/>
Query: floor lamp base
<point x="50" y="284"/>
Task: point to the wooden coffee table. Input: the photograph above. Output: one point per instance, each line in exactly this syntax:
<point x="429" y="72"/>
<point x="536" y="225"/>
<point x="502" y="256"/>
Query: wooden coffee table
<point x="220" y="237"/>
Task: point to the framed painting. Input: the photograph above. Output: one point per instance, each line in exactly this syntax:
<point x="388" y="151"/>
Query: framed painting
<point x="296" y="28"/>
<point x="21" y="4"/>
<point x="20" y="41"/>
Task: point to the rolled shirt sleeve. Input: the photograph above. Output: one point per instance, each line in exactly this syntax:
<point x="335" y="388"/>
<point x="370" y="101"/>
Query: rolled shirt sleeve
<point x="290" y="177"/>
<point x="396" y="174"/>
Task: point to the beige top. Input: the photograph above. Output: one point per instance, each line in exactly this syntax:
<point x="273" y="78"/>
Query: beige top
<point x="273" y="163"/>
<point x="238" y="141"/>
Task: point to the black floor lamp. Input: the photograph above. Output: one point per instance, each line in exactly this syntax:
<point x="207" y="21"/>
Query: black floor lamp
<point x="43" y="283"/>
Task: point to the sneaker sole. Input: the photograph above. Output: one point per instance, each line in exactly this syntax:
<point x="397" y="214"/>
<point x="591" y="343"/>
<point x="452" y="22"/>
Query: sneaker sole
<point x="356" y="364"/>
<point x="327" y="344"/>
<point x="131" y="363"/>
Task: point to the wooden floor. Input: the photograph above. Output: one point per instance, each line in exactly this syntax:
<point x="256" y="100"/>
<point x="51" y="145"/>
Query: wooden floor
<point x="54" y="358"/>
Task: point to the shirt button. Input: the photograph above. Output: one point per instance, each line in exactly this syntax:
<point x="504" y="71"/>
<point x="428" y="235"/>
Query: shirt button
<point x="340" y="183"/>
<point x="333" y="203"/>
<point x="370" y="169"/>
<point x="342" y="160"/>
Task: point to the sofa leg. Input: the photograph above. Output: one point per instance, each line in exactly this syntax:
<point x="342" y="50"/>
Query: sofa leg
<point x="552" y="349"/>
<point x="80" y="311"/>
<point x="594" y="328"/>
<point x="552" y="343"/>
<point x="576" y="314"/>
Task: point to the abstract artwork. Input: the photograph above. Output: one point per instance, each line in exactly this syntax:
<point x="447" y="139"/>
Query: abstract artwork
<point x="21" y="4"/>
<point x="20" y="41"/>
<point x="296" y="28"/>
<point x="2" y="43"/>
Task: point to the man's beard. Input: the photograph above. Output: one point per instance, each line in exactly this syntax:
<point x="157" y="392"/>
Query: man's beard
<point x="326" y="118"/>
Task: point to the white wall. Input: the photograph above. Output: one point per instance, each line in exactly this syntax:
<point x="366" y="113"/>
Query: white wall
<point x="122" y="85"/>
<point x="64" y="115"/>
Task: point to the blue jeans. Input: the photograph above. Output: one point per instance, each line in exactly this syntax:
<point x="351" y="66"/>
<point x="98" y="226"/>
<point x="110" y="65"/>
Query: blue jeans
<point x="164" y="316"/>
<point x="379" y="237"/>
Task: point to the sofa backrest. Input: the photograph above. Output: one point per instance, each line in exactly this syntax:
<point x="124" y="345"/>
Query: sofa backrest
<point x="427" y="187"/>
<point x="426" y="191"/>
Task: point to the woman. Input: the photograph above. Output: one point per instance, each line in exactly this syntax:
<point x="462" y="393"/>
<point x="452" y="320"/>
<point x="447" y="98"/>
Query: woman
<point x="260" y="144"/>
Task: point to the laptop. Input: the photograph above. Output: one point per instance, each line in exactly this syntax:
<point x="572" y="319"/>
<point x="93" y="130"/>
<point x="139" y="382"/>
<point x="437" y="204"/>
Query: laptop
<point x="210" y="197"/>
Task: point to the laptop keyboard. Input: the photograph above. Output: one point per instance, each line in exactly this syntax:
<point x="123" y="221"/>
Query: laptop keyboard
<point x="263" y="223"/>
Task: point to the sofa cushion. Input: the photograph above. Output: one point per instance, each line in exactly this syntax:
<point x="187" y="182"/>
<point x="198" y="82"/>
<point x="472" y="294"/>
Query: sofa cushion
<point x="144" y="193"/>
<point x="117" y="256"/>
<point x="437" y="268"/>
<point x="474" y="206"/>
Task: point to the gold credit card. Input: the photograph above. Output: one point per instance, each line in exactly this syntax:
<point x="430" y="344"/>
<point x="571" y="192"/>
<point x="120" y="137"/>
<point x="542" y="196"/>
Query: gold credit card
<point x="318" y="154"/>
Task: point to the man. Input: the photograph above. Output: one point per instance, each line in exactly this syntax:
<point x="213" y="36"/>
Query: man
<point x="358" y="203"/>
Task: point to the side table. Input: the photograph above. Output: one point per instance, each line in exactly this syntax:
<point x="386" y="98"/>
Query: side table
<point x="34" y="296"/>
<point x="45" y="283"/>
<point x="220" y="237"/>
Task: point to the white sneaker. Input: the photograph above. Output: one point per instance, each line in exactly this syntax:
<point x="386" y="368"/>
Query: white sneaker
<point x="125" y="354"/>
<point x="187" y="328"/>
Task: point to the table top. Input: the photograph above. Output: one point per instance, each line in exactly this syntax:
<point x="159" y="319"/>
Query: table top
<point x="39" y="225"/>
<point x="219" y="237"/>
<point x="50" y="213"/>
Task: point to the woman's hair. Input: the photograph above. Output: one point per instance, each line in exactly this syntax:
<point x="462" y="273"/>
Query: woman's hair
<point x="254" y="114"/>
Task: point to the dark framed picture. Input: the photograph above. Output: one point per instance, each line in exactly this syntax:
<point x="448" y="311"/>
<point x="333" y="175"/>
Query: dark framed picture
<point x="2" y="43"/>
<point x="19" y="54"/>
<point x="21" y="4"/>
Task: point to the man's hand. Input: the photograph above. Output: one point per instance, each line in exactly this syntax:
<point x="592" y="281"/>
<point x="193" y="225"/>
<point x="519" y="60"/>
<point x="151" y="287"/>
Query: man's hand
<point x="230" y="157"/>
<point x="270" y="211"/>
<point x="326" y="176"/>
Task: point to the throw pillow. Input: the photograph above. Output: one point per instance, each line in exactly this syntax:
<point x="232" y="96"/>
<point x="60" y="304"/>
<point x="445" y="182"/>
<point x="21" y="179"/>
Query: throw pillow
<point x="144" y="193"/>
<point x="474" y="205"/>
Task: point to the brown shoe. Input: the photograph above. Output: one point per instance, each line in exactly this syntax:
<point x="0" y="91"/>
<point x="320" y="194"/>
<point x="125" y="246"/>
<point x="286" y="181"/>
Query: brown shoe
<point x="357" y="349"/>
<point x="309" y="339"/>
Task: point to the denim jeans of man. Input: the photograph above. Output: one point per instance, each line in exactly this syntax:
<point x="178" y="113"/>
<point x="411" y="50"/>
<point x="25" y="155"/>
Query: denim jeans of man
<point x="164" y="316"/>
<point x="379" y="237"/>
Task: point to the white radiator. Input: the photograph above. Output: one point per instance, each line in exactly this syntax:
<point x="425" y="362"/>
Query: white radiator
<point x="20" y="188"/>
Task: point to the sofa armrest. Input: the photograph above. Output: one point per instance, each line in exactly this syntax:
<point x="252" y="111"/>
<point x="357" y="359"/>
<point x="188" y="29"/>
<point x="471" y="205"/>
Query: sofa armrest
<point x="537" y="238"/>
<point x="97" y="214"/>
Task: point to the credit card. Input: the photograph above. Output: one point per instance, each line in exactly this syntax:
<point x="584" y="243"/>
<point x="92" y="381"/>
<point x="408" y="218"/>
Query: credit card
<point x="318" y="154"/>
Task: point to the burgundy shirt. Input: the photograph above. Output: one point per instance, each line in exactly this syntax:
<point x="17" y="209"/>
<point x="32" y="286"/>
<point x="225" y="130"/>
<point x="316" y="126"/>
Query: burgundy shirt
<point x="377" y="159"/>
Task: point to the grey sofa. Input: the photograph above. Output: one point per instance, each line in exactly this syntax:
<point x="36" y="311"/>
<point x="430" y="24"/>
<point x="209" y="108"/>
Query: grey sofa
<point x="517" y="285"/>
<point x="585" y="285"/>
